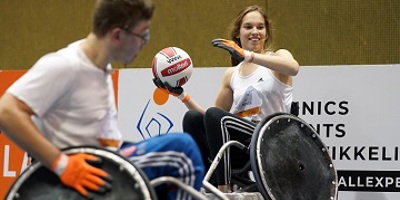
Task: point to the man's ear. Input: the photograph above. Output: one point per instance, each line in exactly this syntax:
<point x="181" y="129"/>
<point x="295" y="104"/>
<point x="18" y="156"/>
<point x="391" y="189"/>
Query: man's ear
<point x="115" y="34"/>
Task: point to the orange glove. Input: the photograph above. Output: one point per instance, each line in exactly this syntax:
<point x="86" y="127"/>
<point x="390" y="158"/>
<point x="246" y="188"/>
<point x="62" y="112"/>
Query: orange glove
<point x="235" y="51"/>
<point x="75" y="172"/>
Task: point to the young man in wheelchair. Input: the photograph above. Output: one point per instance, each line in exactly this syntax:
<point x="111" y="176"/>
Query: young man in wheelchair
<point x="70" y="94"/>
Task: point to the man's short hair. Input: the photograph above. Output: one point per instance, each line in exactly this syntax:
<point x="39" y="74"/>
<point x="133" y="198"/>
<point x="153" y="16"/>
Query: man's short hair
<point x="109" y="14"/>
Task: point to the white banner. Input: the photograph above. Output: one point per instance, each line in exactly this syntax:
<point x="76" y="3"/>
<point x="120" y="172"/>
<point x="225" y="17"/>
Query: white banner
<point x="353" y="108"/>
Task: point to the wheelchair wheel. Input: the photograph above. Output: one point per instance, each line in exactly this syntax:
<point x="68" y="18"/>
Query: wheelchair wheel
<point x="290" y="162"/>
<point x="129" y="182"/>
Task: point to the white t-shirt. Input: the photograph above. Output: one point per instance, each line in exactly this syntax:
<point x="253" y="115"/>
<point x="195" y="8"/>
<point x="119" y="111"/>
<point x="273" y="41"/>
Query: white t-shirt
<point x="73" y="99"/>
<point x="259" y="94"/>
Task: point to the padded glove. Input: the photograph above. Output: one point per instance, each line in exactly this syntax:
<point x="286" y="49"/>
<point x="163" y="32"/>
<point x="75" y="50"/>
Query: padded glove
<point x="174" y="91"/>
<point x="75" y="172"/>
<point x="235" y="51"/>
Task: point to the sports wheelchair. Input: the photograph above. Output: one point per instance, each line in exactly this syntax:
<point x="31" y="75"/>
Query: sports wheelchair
<point x="288" y="161"/>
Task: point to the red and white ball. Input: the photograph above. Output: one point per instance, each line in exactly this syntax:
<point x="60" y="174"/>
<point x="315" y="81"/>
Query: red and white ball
<point x="172" y="65"/>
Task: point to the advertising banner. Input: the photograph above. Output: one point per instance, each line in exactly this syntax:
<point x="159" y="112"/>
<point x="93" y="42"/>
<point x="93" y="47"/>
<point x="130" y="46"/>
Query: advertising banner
<point x="13" y="161"/>
<point x="353" y="108"/>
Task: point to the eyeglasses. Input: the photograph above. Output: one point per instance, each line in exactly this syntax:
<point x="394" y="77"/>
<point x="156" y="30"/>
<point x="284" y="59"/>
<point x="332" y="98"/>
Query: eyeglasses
<point x="145" y="36"/>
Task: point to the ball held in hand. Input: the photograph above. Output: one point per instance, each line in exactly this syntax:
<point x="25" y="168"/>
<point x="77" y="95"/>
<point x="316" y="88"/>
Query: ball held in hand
<point x="172" y="65"/>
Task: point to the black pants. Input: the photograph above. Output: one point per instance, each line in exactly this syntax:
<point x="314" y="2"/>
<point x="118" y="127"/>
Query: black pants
<point x="212" y="130"/>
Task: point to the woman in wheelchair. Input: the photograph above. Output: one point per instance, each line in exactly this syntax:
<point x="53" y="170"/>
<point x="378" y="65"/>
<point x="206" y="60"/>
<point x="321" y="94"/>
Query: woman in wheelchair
<point x="259" y="84"/>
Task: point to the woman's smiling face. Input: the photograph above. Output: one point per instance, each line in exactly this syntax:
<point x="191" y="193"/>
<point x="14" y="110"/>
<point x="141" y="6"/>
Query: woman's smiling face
<point x="253" y="32"/>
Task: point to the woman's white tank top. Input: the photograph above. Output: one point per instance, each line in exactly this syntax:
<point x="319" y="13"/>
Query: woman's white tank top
<point x="259" y="94"/>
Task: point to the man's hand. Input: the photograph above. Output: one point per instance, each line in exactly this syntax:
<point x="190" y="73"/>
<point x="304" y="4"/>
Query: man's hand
<point x="235" y="51"/>
<point x="75" y="172"/>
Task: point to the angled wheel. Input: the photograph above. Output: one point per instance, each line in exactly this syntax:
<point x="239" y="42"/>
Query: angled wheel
<point x="290" y="162"/>
<point x="129" y="182"/>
